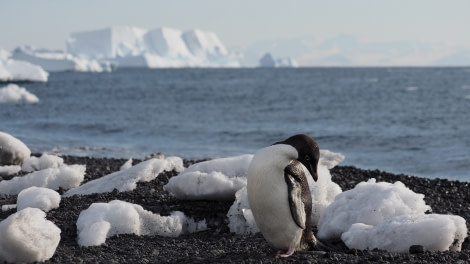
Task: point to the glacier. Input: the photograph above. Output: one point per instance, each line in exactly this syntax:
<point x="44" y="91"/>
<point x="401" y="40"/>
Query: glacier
<point x="156" y="48"/>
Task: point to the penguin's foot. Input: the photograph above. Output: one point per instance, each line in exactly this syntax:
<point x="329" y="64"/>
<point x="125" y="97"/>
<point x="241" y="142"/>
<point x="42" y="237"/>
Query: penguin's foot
<point x="285" y="255"/>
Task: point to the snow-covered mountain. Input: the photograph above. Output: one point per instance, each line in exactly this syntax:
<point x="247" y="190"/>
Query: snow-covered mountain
<point x="162" y="47"/>
<point x="348" y="50"/>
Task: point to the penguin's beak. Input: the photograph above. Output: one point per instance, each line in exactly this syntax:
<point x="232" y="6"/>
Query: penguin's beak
<point x="311" y="169"/>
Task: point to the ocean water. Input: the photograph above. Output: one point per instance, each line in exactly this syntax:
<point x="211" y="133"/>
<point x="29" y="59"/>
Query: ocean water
<point x="402" y="120"/>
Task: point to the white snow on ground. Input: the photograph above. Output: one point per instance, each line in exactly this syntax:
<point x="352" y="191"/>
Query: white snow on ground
<point x="434" y="232"/>
<point x="217" y="179"/>
<point x="13" y="94"/>
<point x="126" y="180"/>
<point x="9" y="170"/>
<point x="67" y="176"/>
<point x="44" y="162"/>
<point x="369" y="203"/>
<point x="27" y="236"/>
<point x="38" y="197"/>
<point x="103" y="220"/>
<point x="391" y="217"/>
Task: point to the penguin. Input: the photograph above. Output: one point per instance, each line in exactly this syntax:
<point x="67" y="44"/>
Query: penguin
<point x="279" y="195"/>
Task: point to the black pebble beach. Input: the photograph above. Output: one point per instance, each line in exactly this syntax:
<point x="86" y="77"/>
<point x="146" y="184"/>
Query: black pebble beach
<point x="217" y="244"/>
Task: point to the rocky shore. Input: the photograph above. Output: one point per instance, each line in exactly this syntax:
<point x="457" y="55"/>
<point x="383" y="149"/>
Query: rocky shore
<point x="217" y="244"/>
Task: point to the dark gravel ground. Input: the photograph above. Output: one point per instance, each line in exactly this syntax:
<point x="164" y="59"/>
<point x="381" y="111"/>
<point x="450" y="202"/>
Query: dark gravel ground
<point x="217" y="244"/>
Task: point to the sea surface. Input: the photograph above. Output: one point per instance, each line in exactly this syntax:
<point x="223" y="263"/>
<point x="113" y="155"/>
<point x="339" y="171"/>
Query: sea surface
<point x="402" y="120"/>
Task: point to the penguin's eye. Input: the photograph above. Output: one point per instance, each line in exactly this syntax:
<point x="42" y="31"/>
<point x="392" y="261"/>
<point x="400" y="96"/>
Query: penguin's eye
<point x="307" y="157"/>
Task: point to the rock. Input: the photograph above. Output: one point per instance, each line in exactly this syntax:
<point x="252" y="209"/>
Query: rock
<point x="416" y="249"/>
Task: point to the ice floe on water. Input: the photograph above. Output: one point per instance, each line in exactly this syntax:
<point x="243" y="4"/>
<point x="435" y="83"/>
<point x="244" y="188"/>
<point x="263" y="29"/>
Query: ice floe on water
<point x="27" y="236"/>
<point x="13" y="94"/>
<point x="103" y="220"/>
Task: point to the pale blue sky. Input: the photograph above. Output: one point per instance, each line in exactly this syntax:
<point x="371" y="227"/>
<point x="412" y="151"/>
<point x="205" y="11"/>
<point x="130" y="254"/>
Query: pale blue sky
<point x="46" y="24"/>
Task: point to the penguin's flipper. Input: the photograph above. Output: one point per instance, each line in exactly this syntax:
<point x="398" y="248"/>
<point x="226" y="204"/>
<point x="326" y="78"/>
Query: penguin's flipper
<point x="293" y="175"/>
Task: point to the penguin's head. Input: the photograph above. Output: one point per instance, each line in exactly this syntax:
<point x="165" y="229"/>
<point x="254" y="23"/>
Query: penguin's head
<point x="307" y="150"/>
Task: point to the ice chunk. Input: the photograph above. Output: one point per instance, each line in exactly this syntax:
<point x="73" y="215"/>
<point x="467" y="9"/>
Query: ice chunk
<point x="216" y="179"/>
<point x="9" y="170"/>
<point x="126" y="165"/>
<point x="330" y="159"/>
<point x="38" y="197"/>
<point x="369" y="203"/>
<point x="103" y="220"/>
<point x="241" y="220"/>
<point x="12" y="150"/>
<point x="433" y="231"/>
<point x="44" y="162"/>
<point x="67" y="176"/>
<point x="27" y="236"/>
<point x="126" y="180"/>
<point x="13" y="94"/>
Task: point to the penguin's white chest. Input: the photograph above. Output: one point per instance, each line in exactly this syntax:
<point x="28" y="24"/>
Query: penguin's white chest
<point x="269" y="202"/>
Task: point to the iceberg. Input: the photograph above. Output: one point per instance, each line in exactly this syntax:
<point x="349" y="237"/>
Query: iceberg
<point x="16" y="70"/>
<point x="268" y="61"/>
<point x="156" y="48"/>
<point x="56" y="60"/>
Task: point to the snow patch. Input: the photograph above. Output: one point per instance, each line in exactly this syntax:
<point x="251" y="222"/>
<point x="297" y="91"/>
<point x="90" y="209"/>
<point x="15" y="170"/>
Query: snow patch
<point x="103" y="220"/>
<point x="126" y="180"/>
<point x="27" y="236"/>
<point x="217" y="179"/>
<point x="66" y="177"/>
<point x="38" y="197"/>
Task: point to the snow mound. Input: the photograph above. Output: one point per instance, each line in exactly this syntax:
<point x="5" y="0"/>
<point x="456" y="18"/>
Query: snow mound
<point x="44" y="162"/>
<point x="27" y="236"/>
<point x="126" y="165"/>
<point x="241" y="220"/>
<point x="217" y="179"/>
<point x="13" y="94"/>
<point x="38" y="197"/>
<point x="103" y="220"/>
<point x="9" y="170"/>
<point x="66" y="177"/>
<point x="126" y="180"/>
<point x="434" y="232"/>
<point x="12" y="150"/>
<point x="369" y="203"/>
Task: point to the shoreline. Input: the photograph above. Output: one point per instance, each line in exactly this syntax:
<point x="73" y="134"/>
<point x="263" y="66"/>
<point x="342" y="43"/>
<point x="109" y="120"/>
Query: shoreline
<point x="217" y="244"/>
